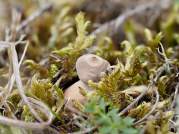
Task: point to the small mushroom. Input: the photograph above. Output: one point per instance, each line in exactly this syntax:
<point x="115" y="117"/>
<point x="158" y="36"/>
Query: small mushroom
<point x="88" y="67"/>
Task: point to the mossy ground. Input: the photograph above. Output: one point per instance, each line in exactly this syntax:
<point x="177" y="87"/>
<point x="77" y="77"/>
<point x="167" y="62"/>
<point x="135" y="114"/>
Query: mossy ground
<point x="139" y="96"/>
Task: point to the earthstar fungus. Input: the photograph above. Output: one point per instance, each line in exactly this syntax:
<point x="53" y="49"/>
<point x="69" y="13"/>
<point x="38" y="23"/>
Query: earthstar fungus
<point x="88" y="67"/>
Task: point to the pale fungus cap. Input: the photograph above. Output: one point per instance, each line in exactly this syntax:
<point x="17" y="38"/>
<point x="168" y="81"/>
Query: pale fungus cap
<point x="90" y="67"/>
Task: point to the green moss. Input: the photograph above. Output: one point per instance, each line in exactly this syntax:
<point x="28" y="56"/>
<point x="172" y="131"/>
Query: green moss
<point x="109" y="87"/>
<point x="140" y="111"/>
<point x="26" y="114"/>
<point x="42" y="89"/>
<point x="72" y="51"/>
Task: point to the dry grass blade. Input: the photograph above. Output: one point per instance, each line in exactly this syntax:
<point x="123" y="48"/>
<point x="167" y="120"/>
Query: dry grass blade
<point x="14" y="75"/>
<point x="33" y="17"/>
<point x="21" y="90"/>
<point x="152" y="110"/>
<point x="4" y="44"/>
<point x="175" y="96"/>
<point x="10" y="83"/>
<point x="135" y="101"/>
<point x="29" y="101"/>
<point x="113" y="26"/>
<point x="19" y="81"/>
<point x="21" y="124"/>
<point x="152" y="83"/>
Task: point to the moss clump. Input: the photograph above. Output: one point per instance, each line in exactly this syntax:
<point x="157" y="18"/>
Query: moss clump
<point x="69" y="54"/>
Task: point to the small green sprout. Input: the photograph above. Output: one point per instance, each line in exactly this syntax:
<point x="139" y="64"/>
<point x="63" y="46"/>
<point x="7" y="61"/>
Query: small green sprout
<point x="108" y="122"/>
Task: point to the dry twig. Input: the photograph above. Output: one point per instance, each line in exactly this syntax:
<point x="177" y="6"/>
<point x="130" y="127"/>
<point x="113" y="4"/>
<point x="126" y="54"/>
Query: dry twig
<point x="14" y="75"/>
<point x="175" y="96"/>
<point x="153" y="108"/>
<point x="114" y="25"/>
<point x="34" y="16"/>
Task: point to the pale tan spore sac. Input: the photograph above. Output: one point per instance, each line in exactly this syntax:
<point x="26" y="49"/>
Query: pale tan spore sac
<point x="88" y="67"/>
